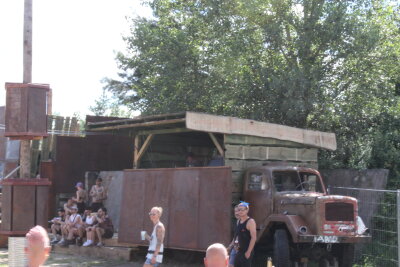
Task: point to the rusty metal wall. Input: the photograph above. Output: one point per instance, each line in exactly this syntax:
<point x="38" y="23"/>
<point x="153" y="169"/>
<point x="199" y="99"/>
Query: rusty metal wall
<point x="76" y="155"/>
<point x="26" y="110"/>
<point x="196" y="203"/>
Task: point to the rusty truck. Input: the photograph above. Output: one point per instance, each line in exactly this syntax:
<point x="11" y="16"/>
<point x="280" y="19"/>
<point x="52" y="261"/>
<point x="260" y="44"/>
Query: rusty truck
<point x="298" y="221"/>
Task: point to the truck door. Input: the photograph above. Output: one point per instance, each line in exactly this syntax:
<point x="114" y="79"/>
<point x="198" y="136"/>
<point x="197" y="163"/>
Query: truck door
<point x="257" y="191"/>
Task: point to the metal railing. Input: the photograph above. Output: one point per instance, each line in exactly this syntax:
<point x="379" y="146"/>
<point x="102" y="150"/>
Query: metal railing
<point x="380" y="210"/>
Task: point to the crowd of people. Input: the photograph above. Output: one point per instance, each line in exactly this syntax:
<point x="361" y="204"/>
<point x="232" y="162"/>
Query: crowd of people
<point x="78" y="221"/>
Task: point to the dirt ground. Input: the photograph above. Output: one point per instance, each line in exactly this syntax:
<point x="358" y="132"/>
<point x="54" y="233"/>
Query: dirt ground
<point x="56" y="259"/>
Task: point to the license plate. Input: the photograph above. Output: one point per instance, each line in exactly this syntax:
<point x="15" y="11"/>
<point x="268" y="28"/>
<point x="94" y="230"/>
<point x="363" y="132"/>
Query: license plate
<point x="326" y="239"/>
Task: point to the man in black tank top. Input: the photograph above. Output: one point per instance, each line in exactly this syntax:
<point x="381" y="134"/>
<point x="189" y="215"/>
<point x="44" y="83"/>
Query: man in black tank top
<point x="246" y="232"/>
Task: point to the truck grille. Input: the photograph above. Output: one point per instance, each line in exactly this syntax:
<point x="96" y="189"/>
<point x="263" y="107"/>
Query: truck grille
<point x="339" y="212"/>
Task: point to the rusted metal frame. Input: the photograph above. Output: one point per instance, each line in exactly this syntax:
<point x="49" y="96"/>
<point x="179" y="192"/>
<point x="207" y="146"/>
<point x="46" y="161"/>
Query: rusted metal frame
<point x="164" y="131"/>
<point x="217" y="144"/>
<point x="135" y="125"/>
<point x="144" y="118"/>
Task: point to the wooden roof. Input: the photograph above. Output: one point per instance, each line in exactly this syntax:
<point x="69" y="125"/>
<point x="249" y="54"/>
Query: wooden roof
<point x="193" y="121"/>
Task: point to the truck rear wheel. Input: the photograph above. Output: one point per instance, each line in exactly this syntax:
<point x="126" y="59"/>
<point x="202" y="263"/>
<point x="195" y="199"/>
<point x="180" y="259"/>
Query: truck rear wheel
<point x="281" y="249"/>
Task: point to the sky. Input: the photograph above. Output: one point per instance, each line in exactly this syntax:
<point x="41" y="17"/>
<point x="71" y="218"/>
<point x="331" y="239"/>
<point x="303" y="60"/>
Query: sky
<point x="74" y="46"/>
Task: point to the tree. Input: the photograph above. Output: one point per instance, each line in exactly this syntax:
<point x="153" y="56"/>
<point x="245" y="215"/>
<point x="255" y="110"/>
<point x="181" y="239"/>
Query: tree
<point x="277" y="61"/>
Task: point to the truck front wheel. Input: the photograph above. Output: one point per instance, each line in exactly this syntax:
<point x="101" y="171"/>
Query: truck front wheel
<point x="281" y="249"/>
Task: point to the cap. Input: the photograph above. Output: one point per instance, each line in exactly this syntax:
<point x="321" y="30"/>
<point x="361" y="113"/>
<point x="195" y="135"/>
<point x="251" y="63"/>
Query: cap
<point x="79" y="184"/>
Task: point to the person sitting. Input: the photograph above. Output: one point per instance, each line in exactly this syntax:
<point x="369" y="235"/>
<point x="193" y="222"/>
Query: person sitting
<point x="104" y="227"/>
<point x="98" y="194"/>
<point x="89" y="220"/>
<point x="72" y="224"/>
<point x="80" y="197"/>
<point x="57" y="223"/>
<point x="37" y="246"/>
<point x="68" y="205"/>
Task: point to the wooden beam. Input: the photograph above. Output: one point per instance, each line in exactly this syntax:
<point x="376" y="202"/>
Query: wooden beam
<point x="231" y="125"/>
<point x="140" y="119"/>
<point x="217" y="144"/>
<point x="136" y="152"/>
<point x="25" y="145"/>
<point x="136" y="125"/>
<point x="145" y="146"/>
<point x="164" y="131"/>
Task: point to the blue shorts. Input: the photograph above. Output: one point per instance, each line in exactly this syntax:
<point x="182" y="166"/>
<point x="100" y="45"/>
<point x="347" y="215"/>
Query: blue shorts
<point x="232" y="256"/>
<point x="148" y="261"/>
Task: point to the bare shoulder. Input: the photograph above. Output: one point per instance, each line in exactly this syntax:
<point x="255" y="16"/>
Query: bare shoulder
<point x="160" y="227"/>
<point x="251" y="223"/>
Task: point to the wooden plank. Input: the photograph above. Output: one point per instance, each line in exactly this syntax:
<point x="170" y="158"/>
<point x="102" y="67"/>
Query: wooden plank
<point x="136" y="125"/>
<point x="144" y="147"/>
<point x="136" y="152"/>
<point x="217" y="144"/>
<point x="27" y="44"/>
<point x="235" y="139"/>
<point x="164" y="131"/>
<point x="231" y="125"/>
<point x="237" y="182"/>
<point x="240" y="165"/>
<point x="271" y="153"/>
<point x="74" y="125"/>
<point x="66" y="125"/>
<point x="58" y="126"/>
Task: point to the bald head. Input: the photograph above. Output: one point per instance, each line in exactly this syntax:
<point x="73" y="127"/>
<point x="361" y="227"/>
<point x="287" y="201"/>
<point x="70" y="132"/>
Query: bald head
<point x="37" y="246"/>
<point x="216" y="256"/>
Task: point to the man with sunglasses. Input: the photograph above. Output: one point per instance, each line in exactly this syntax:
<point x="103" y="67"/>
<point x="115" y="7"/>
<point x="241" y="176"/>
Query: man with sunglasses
<point x="156" y="248"/>
<point x="246" y="234"/>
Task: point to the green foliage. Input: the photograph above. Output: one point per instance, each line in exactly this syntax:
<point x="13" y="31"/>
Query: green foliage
<point x="108" y="105"/>
<point x="325" y="65"/>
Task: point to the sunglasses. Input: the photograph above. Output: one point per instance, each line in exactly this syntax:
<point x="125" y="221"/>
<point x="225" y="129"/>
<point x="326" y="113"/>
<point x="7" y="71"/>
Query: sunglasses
<point x="241" y="209"/>
<point x="152" y="214"/>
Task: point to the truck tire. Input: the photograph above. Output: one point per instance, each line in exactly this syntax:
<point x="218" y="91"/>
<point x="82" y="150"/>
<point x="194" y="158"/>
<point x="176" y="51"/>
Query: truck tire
<point x="281" y="249"/>
<point x="345" y="255"/>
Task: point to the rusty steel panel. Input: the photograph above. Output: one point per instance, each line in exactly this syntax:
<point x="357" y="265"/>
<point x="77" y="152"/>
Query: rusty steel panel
<point x="76" y="155"/>
<point x="6" y="203"/>
<point x="47" y="170"/>
<point x="23" y="217"/>
<point x="196" y="203"/>
<point x="42" y="207"/>
<point x="214" y="190"/>
<point x="37" y="119"/>
<point x="184" y="209"/>
<point x="26" y="106"/>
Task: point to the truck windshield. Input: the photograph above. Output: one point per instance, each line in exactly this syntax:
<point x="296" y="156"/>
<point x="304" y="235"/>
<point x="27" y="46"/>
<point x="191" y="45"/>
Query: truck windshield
<point x="297" y="181"/>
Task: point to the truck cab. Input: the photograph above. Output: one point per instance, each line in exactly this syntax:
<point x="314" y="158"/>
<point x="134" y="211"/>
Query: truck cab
<point x="298" y="220"/>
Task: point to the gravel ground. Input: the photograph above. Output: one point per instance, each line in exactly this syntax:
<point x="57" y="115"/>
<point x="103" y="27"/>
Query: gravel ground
<point x="175" y="259"/>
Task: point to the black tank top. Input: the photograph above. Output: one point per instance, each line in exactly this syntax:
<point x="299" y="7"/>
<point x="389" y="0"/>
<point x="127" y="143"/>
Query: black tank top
<point x="243" y="236"/>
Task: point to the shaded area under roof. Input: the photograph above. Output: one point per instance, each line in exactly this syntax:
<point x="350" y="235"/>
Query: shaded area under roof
<point x="193" y="121"/>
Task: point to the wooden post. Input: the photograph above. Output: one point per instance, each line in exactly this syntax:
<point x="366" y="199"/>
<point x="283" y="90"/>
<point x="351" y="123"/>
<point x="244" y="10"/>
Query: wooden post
<point x="25" y="149"/>
<point x="136" y="152"/>
<point x="217" y="144"/>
